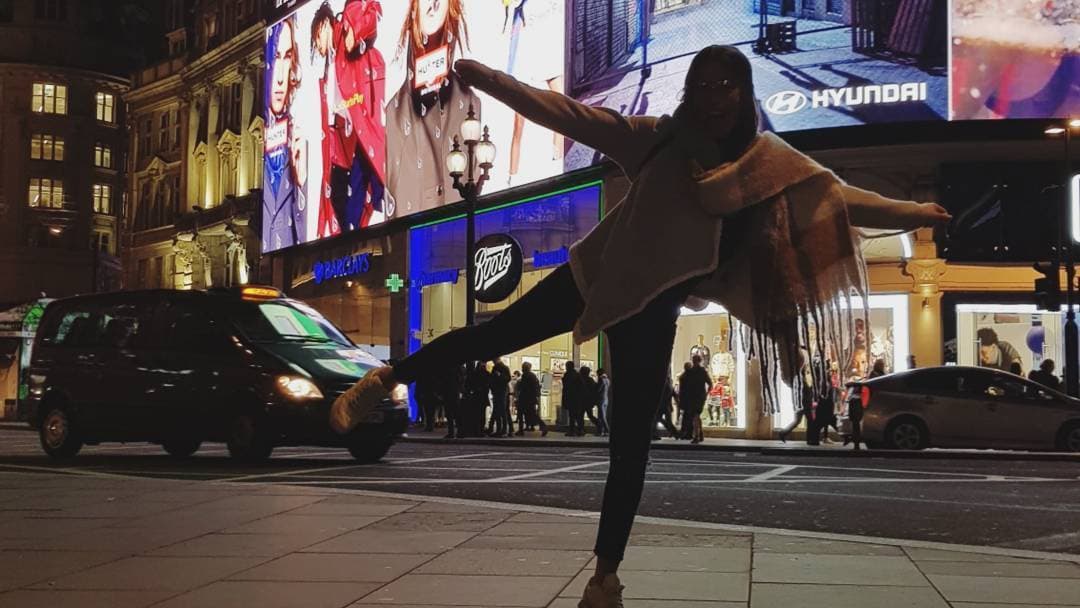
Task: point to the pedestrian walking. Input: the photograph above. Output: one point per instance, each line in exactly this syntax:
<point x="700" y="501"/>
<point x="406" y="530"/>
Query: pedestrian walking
<point x="804" y="406"/>
<point x="590" y="398"/>
<point x="686" y="420"/>
<point x="787" y="221"/>
<point x="476" y="400"/>
<point x="515" y="410"/>
<point x="572" y="389"/>
<point x="694" y="387"/>
<point x="500" y="400"/>
<point x="664" y="409"/>
<point x="528" y="398"/>
<point x="604" y="391"/>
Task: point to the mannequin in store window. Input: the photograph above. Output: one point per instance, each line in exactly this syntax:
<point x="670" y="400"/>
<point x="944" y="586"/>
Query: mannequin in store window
<point x="717" y="212"/>
<point x="701" y="350"/>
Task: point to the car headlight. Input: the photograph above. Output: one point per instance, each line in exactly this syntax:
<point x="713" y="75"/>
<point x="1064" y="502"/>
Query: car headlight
<point x="400" y="394"/>
<point x="297" y="388"/>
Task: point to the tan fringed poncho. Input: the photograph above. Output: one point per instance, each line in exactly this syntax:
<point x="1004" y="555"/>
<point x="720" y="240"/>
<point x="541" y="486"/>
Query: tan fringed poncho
<point x="791" y="279"/>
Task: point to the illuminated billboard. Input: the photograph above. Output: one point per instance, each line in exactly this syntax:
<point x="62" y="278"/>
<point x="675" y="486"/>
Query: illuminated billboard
<point x="362" y="104"/>
<point x="361" y="107"/>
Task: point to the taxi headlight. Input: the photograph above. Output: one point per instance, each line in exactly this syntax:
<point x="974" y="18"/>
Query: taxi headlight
<point x="297" y="388"/>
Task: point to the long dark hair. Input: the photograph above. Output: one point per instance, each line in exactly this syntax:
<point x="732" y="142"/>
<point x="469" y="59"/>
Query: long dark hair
<point x="323" y="15"/>
<point x="746" y="124"/>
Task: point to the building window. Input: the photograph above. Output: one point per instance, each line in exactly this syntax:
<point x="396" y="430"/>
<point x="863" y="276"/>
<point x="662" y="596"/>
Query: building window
<point x="147" y="137"/>
<point x="140" y="273"/>
<point x="163" y="131"/>
<point x="103" y="198"/>
<point x="46" y="193"/>
<point x="103" y="156"/>
<point x="176" y="128"/>
<point x="46" y="147"/>
<point x="50" y="10"/>
<point x="49" y="98"/>
<point x="7" y="11"/>
<point x="106" y="108"/>
<point x="232" y="96"/>
<point x="102" y="241"/>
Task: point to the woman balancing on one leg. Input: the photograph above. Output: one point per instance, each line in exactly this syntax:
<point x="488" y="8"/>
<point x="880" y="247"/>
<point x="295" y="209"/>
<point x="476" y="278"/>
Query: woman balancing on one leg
<point x="716" y="212"/>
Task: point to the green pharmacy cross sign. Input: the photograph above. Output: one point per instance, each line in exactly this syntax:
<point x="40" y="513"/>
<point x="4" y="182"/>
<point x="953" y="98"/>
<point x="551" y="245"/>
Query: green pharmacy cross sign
<point x="395" y="283"/>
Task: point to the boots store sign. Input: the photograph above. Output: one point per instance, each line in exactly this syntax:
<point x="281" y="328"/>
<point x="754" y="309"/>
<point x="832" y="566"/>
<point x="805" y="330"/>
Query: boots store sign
<point x="499" y="263"/>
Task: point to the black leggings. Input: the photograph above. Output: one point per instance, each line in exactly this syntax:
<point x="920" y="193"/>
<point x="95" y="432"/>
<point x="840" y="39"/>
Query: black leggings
<point x="640" y="354"/>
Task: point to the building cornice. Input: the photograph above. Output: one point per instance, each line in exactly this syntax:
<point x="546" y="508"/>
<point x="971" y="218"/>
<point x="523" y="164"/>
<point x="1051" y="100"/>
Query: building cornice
<point x="47" y="71"/>
<point x="226" y="54"/>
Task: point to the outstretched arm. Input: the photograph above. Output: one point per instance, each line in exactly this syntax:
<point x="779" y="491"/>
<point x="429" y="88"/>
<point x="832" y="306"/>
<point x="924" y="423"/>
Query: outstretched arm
<point x="624" y="139"/>
<point x="871" y="210"/>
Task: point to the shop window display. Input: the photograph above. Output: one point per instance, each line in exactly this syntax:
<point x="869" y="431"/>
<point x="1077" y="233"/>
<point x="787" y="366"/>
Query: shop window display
<point x="710" y="334"/>
<point x="999" y="335"/>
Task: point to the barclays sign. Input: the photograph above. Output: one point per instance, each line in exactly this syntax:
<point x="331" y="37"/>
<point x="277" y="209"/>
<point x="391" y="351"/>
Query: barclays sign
<point x="347" y="266"/>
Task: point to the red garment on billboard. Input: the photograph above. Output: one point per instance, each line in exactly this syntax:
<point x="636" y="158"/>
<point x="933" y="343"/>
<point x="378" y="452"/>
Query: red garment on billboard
<point x="361" y="81"/>
<point x="328" y="224"/>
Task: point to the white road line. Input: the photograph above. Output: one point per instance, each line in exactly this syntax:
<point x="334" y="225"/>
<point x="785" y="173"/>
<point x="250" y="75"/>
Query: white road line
<point x="339" y="468"/>
<point x="776" y="472"/>
<point x="576" y="467"/>
<point x="73" y="471"/>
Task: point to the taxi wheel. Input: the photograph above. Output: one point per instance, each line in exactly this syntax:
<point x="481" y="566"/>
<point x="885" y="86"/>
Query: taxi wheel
<point x="247" y="439"/>
<point x="59" y="437"/>
<point x="366" y="449"/>
<point x="181" y="448"/>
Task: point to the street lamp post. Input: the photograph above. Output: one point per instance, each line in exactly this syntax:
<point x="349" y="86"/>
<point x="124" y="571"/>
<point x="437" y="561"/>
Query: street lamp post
<point x="1072" y="332"/>
<point x="479" y="154"/>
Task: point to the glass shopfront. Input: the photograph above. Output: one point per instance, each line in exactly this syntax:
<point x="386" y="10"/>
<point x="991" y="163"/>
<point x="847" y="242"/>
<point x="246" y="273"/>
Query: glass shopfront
<point x="545" y="227"/>
<point x="710" y="333"/>
<point x="998" y="335"/>
<point x="886" y="338"/>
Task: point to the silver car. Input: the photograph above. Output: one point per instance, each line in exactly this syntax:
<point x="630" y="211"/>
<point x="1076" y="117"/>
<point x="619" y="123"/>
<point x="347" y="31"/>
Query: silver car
<point x="968" y="407"/>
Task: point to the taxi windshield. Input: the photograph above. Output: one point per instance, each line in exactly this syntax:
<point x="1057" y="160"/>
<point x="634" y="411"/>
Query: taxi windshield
<point x="287" y="321"/>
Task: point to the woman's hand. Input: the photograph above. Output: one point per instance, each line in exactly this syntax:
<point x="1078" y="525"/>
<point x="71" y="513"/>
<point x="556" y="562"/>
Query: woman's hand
<point x="473" y="73"/>
<point x="927" y="215"/>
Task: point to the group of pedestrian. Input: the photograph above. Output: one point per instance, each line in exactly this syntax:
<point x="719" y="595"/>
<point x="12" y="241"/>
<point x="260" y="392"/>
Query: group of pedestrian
<point x="584" y="396"/>
<point x="463" y="395"/>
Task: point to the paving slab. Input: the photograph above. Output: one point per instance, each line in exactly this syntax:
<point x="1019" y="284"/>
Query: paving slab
<point x="543" y="529"/>
<point x="154" y="573"/>
<point x="690" y="539"/>
<point x="920" y="554"/>
<point x="458" y="590"/>
<point x="391" y="541"/>
<point x="663" y="585"/>
<point x="331" y="506"/>
<point x="770" y="595"/>
<point x="326" y="526"/>
<point x="451" y="507"/>
<point x="242" y="594"/>
<point x="29" y="598"/>
<point x="22" y="567"/>
<point x="467" y="522"/>
<point x="577" y="542"/>
<point x="237" y="545"/>
<point x="1022" y="570"/>
<point x="686" y="559"/>
<point x="1007" y="590"/>
<point x="508" y="562"/>
<point x="837" y="570"/>
<point x="566" y="602"/>
<point x="334" y="567"/>
<point x="776" y="543"/>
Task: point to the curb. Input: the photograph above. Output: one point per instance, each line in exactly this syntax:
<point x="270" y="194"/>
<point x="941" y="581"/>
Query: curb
<point x="16" y="426"/>
<point x="933" y="454"/>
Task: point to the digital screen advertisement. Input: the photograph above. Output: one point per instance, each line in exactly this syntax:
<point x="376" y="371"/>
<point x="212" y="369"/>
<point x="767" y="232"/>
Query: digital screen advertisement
<point x="362" y="103"/>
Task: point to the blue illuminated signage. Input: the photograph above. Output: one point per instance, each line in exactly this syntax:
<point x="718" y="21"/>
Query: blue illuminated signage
<point x="434" y="278"/>
<point x="543" y="259"/>
<point x="347" y="266"/>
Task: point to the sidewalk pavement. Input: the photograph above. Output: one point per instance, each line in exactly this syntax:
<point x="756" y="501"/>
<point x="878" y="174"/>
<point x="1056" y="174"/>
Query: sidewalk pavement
<point x="771" y="447"/>
<point x="98" y="540"/>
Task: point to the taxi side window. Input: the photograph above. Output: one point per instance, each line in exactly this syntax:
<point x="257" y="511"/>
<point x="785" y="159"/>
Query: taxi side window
<point x="126" y="326"/>
<point x="187" y="328"/>
<point x="935" y="382"/>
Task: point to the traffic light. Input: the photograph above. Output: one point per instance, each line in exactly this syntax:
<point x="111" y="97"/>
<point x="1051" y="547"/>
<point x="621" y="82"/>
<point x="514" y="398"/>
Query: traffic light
<point x="1048" y="287"/>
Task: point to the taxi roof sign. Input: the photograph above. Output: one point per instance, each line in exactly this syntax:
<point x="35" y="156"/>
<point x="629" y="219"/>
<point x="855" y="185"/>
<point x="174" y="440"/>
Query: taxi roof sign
<point x="260" y="293"/>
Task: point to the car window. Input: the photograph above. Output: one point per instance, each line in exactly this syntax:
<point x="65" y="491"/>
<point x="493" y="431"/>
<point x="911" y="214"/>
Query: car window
<point x="126" y="325"/>
<point x="936" y="382"/>
<point x="186" y="327"/>
<point x="285" y="321"/>
<point x="1005" y="388"/>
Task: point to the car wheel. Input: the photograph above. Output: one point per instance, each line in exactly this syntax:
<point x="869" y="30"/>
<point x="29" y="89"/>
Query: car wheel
<point x="59" y="436"/>
<point x="907" y="434"/>
<point x="247" y="438"/>
<point x="365" y="449"/>
<point x="1069" y="438"/>
<point x="181" y="448"/>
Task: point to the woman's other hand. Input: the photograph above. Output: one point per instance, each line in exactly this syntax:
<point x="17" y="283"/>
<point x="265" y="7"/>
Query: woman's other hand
<point x="472" y="73"/>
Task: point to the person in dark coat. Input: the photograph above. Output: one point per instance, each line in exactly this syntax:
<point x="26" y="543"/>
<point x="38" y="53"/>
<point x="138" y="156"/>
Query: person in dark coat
<point x="663" y="411"/>
<point x="572" y="389"/>
<point x="476" y="400"/>
<point x="1045" y="375"/>
<point x="694" y="387"/>
<point x="686" y="421"/>
<point x="528" y="400"/>
<point x="451" y="384"/>
<point x="500" y="400"/>
<point x="879" y="369"/>
<point x="590" y="398"/>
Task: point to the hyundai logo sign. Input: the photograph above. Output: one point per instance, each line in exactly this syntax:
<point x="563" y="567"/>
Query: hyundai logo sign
<point x="785" y="102"/>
